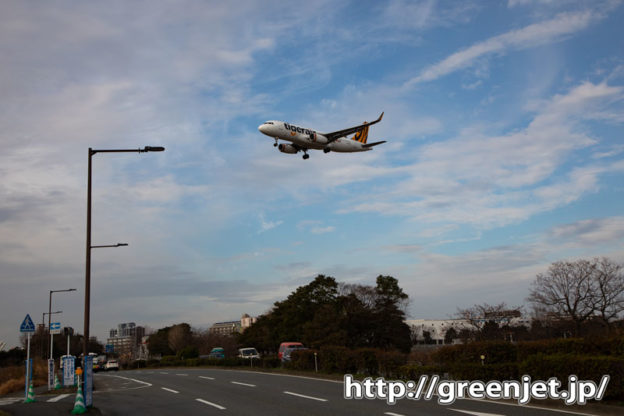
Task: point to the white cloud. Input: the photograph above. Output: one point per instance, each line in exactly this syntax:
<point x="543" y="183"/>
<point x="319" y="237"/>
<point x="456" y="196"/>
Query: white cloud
<point x="315" y="227"/>
<point x="553" y="30"/>
<point x="267" y="225"/>
<point x="492" y="181"/>
<point x="322" y="230"/>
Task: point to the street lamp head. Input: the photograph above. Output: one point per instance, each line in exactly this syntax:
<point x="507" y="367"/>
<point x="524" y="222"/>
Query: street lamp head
<point x="122" y="244"/>
<point x="153" y="149"/>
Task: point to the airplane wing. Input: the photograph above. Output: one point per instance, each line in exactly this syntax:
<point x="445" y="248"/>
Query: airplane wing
<point x="333" y="136"/>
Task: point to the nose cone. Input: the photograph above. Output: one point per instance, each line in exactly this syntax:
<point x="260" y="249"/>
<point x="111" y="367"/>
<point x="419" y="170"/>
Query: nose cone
<point x="263" y="128"/>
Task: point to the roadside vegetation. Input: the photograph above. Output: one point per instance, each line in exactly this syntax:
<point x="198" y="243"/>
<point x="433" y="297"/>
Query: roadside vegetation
<point x="575" y="327"/>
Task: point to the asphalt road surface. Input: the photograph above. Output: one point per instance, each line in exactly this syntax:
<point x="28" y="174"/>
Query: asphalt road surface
<point x="190" y="391"/>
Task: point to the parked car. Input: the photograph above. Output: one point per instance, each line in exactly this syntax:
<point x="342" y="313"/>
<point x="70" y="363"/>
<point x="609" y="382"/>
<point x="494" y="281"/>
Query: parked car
<point x="217" y="352"/>
<point x="286" y="356"/>
<point x="112" y="365"/>
<point x="98" y="364"/>
<point x="285" y="345"/>
<point x="248" y="352"/>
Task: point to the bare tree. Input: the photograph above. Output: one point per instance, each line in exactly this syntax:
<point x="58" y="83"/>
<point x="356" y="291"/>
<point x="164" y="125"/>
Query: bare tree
<point x="580" y="290"/>
<point x="608" y="290"/>
<point x="479" y="315"/>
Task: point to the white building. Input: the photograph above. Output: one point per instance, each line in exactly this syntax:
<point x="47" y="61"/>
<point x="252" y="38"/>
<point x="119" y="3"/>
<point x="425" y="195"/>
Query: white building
<point x="230" y="327"/>
<point x="436" y="328"/>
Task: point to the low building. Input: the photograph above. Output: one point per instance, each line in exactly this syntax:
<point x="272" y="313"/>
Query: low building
<point x="230" y="327"/>
<point x="433" y="331"/>
<point x="226" y="328"/>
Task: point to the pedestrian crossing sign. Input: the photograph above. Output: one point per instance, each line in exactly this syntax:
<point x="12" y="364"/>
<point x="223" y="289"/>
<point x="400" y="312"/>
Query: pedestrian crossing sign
<point x="27" y="325"/>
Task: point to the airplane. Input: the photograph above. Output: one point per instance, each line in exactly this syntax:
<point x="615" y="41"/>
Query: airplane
<point x="303" y="139"/>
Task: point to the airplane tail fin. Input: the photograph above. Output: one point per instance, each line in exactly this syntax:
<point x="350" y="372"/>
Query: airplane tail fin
<point x="362" y="135"/>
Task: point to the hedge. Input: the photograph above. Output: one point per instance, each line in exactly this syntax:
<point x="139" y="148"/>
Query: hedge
<point x="543" y="367"/>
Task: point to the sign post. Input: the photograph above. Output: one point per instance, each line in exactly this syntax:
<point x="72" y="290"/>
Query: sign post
<point x="88" y="380"/>
<point x="69" y="366"/>
<point x="55" y="328"/>
<point x="28" y="327"/>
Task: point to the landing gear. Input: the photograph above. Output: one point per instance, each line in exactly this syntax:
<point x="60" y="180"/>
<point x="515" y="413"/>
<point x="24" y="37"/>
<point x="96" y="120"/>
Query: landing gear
<point x="326" y="150"/>
<point x="275" y="144"/>
<point x="306" y="156"/>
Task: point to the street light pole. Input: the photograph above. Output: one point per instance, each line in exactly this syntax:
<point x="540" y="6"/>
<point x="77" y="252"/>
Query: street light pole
<point x="50" y="314"/>
<point x="87" y="307"/>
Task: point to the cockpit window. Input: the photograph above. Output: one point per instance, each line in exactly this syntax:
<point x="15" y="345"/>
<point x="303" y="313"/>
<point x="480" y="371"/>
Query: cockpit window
<point x="268" y="122"/>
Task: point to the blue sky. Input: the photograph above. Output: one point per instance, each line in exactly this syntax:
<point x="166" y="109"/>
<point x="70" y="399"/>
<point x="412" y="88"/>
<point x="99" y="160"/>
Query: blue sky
<point x="504" y="154"/>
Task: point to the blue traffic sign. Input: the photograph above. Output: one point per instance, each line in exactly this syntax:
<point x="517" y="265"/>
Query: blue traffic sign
<point x="27" y="325"/>
<point x="55" y="327"/>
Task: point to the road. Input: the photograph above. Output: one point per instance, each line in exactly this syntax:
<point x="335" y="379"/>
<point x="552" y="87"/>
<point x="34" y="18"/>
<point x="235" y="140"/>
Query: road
<point x="234" y="392"/>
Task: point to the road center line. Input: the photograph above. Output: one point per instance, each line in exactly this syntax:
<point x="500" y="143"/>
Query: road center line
<point x="57" y="398"/>
<point x="172" y="391"/>
<point x="243" y="384"/>
<point x="207" y="378"/>
<point x="181" y="374"/>
<point x="392" y="414"/>
<point x="210" y="404"/>
<point x="305" y="397"/>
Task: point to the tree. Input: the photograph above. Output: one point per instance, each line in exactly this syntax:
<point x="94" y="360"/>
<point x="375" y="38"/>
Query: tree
<point x="390" y="329"/>
<point x="450" y="335"/>
<point x="580" y="290"/>
<point x="326" y="313"/>
<point x="609" y="290"/>
<point x="179" y="336"/>
<point x="158" y="343"/>
<point x="479" y="315"/>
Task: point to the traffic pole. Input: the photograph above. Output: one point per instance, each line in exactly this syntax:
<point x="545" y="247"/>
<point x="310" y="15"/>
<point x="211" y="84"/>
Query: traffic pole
<point x="27" y="378"/>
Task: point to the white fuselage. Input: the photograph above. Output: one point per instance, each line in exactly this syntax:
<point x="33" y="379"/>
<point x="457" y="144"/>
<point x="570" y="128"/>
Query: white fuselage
<point x="309" y="139"/>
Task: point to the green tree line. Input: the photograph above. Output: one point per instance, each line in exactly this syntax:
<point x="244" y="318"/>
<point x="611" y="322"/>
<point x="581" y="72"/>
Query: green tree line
<point x="325" y="312"/>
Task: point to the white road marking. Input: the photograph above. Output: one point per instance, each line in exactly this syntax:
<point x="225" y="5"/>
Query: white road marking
<point x="470" y="412"/>
<point x="10" y="400"/>
<point x="181" y="374"/>
<point x="207" y="378"/>
<point x="210" y="404"/>
<point x="135" y="380"/>
<point x="162" y="372"/>
<point x="305" y="397"/>
<point x="243" y="384"/>
<point x="57" y="398"/>
<point x="392" y="414"/>
<point x="172" y="391"/>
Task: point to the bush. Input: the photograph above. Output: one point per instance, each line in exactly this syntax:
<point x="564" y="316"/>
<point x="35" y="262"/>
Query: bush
<point x="337" y="360"/>
<point x="543" y="367"/>
<point x="192" y="362"/>
<point x="301" y="360"/>
<point x="170" y="361"/>
<point x="389" y="362"/>
<point x="414" y="371"/>
<point x="471" y="371"/>
<point x="495" y="352"/>
<point x="366" y="361"/>
<point x="188" y="352"/>
<point x="580" y="346"/>
<point x="268" y="361"/>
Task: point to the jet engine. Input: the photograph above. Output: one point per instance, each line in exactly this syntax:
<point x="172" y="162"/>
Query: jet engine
<point x="287" y="148"/>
